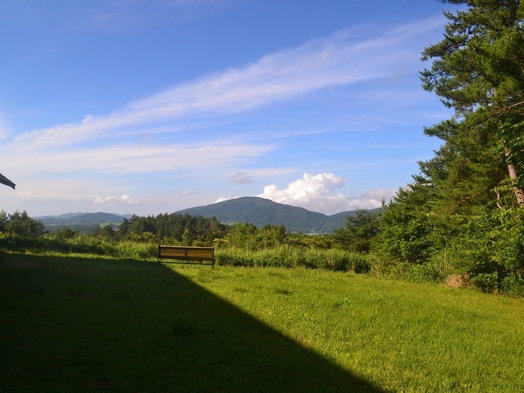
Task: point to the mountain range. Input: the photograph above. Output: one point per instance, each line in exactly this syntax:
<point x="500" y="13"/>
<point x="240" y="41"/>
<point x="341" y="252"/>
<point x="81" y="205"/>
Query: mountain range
<point x="84" y="222"/>
<point x="261" y="211"/>
<point x="253" y="210"/>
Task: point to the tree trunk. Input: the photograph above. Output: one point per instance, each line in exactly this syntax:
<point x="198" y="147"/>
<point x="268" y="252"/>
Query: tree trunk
<point x="519" y="192"/>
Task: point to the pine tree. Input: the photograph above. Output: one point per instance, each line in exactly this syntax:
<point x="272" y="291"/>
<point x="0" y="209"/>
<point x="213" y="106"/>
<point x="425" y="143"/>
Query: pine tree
<point x="359" y="231"/>
<point x="478" y="70"/>
<point x="466" y="201"/>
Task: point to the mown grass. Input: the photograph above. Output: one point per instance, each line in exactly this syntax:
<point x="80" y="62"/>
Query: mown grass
<point x="84" y="324"/>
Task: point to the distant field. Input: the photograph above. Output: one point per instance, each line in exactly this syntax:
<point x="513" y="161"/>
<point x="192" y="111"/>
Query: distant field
<point x="82" y="324"/>
<point x="87" y="228"/>
<point x="82" y="228"/>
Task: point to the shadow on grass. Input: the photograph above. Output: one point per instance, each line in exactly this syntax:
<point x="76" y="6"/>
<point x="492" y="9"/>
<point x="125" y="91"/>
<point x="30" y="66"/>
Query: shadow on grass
<point x="105" y="325"/>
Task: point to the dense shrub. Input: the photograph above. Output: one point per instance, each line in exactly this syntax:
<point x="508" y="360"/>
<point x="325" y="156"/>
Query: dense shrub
<point x="490" y="248"/>
<point x="360" y="230"/>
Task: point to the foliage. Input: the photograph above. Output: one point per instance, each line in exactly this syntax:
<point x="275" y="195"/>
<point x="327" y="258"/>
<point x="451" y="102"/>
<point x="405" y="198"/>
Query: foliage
<point x="21" y="224"/>
<point x="477" y="70"/>
<point x="359" y="231"/>
<point x="322" y="241"/>
<point x="106" y="232"/>
<point x="513" y="285"/>
<point x="179" y="228"/>
<point x="466" y="201"/>
<point x="66" y="233"/>
<point x="406" y="227"/>
<point x="491" y="248"/>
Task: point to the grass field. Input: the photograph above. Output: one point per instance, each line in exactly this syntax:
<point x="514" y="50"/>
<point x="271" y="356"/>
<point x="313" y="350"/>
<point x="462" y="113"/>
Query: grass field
<point x="90" y="324"/>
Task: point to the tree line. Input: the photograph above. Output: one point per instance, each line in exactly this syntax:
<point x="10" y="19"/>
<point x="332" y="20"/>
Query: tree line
<point x="184" y="229"/>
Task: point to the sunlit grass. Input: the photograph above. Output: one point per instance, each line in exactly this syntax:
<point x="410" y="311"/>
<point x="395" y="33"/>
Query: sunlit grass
<point x="402" y="336"/>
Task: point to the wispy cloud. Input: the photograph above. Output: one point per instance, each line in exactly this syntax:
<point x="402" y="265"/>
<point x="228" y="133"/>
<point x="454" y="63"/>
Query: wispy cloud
<point x="5" y="132"/>
<point x="121" y="142"/>
<point x="321" y="63"/>
<point x="119" y="15"/>
<point x="124" y="159"/>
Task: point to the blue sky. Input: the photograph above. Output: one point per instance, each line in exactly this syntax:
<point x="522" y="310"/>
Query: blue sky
<point x="153" y="106"/>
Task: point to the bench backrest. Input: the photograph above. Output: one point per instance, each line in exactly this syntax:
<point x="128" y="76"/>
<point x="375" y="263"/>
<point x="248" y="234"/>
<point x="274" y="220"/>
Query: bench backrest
<point x="187" y="253"/>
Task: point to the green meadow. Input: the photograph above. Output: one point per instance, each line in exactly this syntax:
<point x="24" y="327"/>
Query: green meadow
<point x="93" y="324"/>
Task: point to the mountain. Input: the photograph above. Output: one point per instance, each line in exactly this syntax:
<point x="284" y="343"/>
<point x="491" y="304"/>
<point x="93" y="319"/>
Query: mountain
<point x="89" y="216"/>
<point x="253" y="210"/>
<point x="67" y="215"/>
<point x="261" y="211"/>
<point x="84" y="222"/>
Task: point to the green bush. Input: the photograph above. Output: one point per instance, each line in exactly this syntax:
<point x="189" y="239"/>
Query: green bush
<point x="425" y="272"/>
<point x="491" y="248"/>
<point x="359" y="263"/>
<point x="513" y="284"/>
<point x="486" y="282"/>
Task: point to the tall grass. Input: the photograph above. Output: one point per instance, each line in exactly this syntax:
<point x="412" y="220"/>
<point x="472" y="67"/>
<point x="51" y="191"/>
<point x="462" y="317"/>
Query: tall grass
<point x="437" y="270"/>
<point x="280" y="256"/>
<point x="79" y="245"/>
<point x="293" y="257"/>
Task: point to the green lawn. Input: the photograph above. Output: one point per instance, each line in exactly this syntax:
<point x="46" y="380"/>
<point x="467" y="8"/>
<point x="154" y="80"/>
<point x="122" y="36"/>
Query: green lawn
<point x="84" y="324"/>
<point x="401" y="336"/>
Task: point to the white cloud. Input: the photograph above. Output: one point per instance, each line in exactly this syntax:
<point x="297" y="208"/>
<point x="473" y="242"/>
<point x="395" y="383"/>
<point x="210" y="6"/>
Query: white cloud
<point x="316" y="193"/>
<point x="380" y="194"/>
<point x="112" y="200"/>
<point x="222" y="199"/>
<point x="309" y="187"/>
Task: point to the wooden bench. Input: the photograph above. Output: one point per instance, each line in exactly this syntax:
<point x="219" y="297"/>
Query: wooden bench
<point x="184" y="253"/>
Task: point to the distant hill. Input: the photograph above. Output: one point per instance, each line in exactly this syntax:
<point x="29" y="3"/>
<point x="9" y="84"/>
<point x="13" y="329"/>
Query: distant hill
<point x="261" y="211"/>
<point x="84" y="222"/>
<point x="253" y="210"/>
